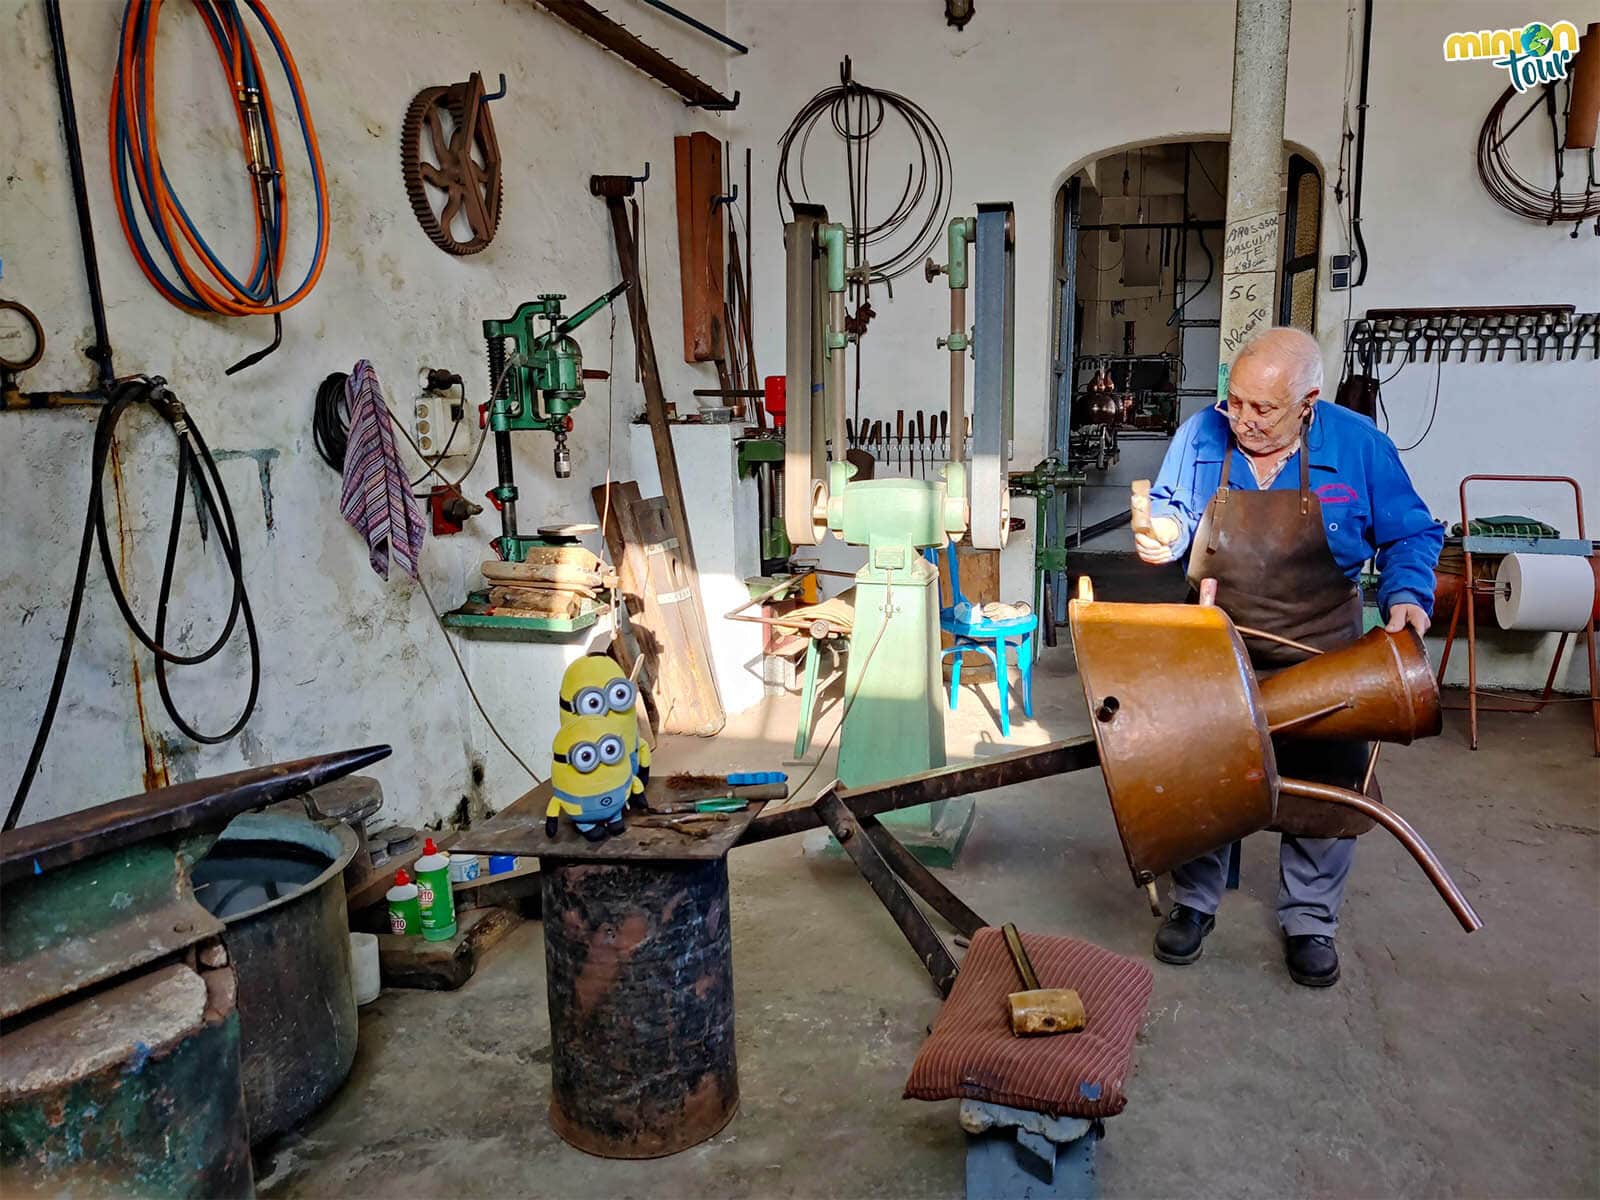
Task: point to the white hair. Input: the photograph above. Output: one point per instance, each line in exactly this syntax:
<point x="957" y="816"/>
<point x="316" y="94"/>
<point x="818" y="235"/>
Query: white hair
<point x="1296" y="350"/>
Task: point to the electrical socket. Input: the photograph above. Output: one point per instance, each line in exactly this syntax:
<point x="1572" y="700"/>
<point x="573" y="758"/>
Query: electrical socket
<point x="432" y="418"/>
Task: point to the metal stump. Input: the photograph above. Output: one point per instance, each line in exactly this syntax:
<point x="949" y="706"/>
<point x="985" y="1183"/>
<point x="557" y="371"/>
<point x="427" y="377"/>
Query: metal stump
<point x="639" y="967"/>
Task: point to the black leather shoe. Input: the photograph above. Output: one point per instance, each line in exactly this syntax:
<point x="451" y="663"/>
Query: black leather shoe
<point x="1312" y="960"/>
<point x="1179" y="941"/>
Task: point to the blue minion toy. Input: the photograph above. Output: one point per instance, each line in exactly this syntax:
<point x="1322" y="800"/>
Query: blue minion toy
<point x="591" y="777"/>
<point x="595" y="686"/>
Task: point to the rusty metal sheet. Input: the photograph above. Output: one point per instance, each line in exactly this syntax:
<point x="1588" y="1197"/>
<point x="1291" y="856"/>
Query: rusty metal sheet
<point x="1187" y="759"/>
<point x="197" y="805"/>
<point x="519" y="829"/>
<point x="75" y="963"/>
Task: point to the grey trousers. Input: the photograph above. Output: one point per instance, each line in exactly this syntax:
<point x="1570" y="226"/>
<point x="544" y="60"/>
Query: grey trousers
<point x="1311" y="878"/>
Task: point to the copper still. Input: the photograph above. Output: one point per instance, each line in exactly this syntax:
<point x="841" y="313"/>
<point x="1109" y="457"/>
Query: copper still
<point x="1184" y="727"/>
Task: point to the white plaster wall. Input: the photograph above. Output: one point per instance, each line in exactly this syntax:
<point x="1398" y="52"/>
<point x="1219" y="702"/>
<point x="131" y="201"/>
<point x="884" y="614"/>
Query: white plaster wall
<point x="348" y="658"/>
<point x="1032" y="88"/>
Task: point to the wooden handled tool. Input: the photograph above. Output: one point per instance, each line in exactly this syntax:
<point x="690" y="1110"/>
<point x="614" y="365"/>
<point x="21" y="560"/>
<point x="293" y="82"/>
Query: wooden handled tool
<point x="899" y="435"/>
<point x="850" y="433"/>
<point x="1139" y="506"/>
<point x="1039" y="1010"/>
<point x="944" y="434"/>
<point x="921" y="442"/>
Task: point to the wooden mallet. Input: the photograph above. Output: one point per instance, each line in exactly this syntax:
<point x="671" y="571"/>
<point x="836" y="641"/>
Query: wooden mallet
<point x="1039" y="1010"/>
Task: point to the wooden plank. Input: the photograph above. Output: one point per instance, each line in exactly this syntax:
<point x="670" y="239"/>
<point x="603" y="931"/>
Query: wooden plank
<point x="522" y="833"/>
<point x="686" y="691"/>
<point x="698" y="161"/>
<point x="980" y="582"/>
<point x="633" y="575"/>
<point x="415" y="962"/>
<point x="595" y="25"/>
<point x="660" y="430"/>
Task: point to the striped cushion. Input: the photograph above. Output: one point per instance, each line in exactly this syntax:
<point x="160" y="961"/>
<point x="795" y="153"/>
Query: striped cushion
<point x="972" y="1053"/>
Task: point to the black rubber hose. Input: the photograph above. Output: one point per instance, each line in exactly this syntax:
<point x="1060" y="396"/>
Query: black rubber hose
<point x="330" y="420"/>
<point x="194" y="460"/>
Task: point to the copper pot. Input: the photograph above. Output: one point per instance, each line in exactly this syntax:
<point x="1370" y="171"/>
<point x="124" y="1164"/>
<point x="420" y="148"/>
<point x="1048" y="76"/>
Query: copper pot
<point x="1181" y="729"/>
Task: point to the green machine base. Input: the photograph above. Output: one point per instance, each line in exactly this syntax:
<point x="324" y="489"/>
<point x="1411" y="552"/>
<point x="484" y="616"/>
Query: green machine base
<point x="894" y="724"/>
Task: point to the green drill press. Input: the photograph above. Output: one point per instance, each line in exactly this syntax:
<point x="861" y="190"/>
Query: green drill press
<point x="535" y="381"/>
<point x="894" y="723"/>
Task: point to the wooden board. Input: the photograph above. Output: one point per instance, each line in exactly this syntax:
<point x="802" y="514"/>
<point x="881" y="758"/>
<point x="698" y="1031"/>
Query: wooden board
<point x="686" y="686"/>
<point x="980" y="583"/>
<point x="627" y="554"/>
<point x="698" y="159"/>
<point x="655" y="408"/>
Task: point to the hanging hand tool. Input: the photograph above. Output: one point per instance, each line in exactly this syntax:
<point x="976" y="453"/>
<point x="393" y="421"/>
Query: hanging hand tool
<point x="850" y="433"/>
<point x="1039" y="1010"/>
<point x="899" y="438"/>
<point x="944" y="435"/>
<point x="917" y="448"/>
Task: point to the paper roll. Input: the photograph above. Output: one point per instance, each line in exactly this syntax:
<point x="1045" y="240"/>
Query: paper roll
<point x="1547" y="592"/>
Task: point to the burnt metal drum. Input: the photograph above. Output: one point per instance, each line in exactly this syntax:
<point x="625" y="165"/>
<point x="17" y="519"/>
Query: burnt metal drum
<point x="277" y="882"/>
<point x="1184" y="747"/>
<point x="639" y="970"/>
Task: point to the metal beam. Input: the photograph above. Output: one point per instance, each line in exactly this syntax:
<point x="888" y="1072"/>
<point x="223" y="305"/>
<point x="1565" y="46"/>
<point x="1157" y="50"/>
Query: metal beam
<point x="597" y="27"/>
<point x="919" y="879"/>
<point x="935" y="955"/>
<point x="1054" y="758"/>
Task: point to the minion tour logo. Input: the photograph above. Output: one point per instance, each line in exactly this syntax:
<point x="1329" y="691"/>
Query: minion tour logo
<point x="1533" y="55"/>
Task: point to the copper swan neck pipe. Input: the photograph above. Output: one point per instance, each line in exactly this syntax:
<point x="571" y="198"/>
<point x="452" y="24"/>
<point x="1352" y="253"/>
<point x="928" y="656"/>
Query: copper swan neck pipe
<point x="1407" y="836"/>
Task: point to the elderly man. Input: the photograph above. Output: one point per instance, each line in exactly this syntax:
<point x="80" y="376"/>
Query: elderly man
<point x="1282" y="500"/>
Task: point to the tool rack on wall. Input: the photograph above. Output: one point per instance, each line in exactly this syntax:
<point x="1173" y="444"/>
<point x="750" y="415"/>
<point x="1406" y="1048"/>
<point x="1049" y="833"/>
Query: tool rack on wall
<point x="1538" y="330"/>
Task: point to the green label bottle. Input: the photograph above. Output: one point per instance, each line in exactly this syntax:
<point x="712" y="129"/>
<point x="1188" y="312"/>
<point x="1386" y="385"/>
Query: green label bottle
<point x="405" y="914"/>
<point x="434" y="896"/>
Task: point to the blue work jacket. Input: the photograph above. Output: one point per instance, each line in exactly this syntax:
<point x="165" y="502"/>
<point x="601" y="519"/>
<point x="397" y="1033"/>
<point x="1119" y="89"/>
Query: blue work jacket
<point x="1369" y="507"/>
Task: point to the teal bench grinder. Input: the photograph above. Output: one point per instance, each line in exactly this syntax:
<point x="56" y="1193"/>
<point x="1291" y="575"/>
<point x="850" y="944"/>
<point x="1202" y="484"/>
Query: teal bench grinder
<point x="894" y="722"/>
<point x="536" y="385"/>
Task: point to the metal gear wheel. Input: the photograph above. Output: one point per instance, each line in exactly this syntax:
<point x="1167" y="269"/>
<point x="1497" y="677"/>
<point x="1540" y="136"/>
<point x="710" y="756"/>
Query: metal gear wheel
<point x="461" y="158"/>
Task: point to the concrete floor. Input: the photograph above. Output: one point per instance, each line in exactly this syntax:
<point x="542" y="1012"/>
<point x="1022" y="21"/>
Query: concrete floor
<point x="1441" y="1064"/>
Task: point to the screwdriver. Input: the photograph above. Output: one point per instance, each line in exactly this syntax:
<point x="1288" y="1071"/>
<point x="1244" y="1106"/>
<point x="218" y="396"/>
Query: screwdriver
<point x="899" y="436"/>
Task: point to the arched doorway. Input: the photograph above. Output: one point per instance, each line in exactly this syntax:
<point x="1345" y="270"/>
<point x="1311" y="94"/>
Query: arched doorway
<point x="1138" y="258"/>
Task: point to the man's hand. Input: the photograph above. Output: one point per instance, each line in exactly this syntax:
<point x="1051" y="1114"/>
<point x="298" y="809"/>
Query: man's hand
<point x="1155" y="547"/>
<point x="1401" y="615"/>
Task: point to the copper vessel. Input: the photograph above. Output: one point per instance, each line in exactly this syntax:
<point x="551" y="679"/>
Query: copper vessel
<point x="1185" y="740"/>
<point x="1378" y="688"/>
<point x="1181" y="728"/>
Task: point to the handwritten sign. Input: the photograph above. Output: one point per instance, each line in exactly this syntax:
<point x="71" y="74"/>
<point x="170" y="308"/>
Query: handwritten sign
<point x="1251" y="244"/>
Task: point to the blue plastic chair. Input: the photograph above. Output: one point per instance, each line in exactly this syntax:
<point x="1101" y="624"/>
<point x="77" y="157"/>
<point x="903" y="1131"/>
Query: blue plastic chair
<point x="988" y="638"/>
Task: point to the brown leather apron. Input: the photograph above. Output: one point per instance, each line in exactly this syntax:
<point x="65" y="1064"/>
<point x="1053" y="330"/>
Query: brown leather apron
<point x="1274" y="572"/>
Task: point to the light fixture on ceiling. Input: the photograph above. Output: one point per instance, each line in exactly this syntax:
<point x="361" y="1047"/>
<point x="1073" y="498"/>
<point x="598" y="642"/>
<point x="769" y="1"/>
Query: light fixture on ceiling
<point x="958" y="12"/>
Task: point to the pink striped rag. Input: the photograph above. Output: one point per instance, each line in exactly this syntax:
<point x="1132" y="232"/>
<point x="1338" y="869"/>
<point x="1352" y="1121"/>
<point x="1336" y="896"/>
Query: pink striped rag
<point x="376" y="497"/>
